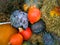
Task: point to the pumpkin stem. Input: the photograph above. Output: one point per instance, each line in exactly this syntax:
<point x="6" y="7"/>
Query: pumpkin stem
<point x="20" y="29"/>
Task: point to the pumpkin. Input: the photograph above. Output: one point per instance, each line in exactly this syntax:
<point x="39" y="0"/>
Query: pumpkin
<point x="16" y="39"/>
<point x="6" y="30"/>
<point x="28" y="3"/>
<point x="26" y="33"/>
<point x="34" y="14"/>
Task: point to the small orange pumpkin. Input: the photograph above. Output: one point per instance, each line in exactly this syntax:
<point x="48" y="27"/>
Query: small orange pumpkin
<point x="26" y="33"/>
<point x="16" y="39"/>
<point x="34" y="14"/>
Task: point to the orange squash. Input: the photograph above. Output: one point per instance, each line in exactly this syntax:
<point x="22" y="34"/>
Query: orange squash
<point x="27" y="33"/>
<point x="6" y="30"/>
<point x="16" y="39"/>
<point x="34" y="14"/>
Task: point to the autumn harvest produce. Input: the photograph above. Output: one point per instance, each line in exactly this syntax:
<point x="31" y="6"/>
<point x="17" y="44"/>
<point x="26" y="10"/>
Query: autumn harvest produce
<point x="26" y="33"/>
<point x="34" y="14"/>
<point x="16" y="39"/>
<point x="6" y="31"/>
<point x="19" y="20"/>
<point x="30" y="22"/>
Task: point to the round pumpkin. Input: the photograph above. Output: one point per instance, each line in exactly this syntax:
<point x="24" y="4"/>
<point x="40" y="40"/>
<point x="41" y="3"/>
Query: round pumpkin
<point x="16" y="39"/>
<point x="6" y="30"/>
<point x="34" y="14"/>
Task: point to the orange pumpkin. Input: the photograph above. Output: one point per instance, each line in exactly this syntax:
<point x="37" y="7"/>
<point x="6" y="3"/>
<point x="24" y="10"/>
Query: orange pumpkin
<point x="6" y="30"/>
<point x="26" y="33"/>
<point x="16" y="39"/>
<point x="34" y="14"/>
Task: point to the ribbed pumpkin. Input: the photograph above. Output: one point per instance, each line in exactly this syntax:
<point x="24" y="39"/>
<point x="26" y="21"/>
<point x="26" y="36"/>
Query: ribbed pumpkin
<point x="28" y="3"/>
<point x="6" y="31"/>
